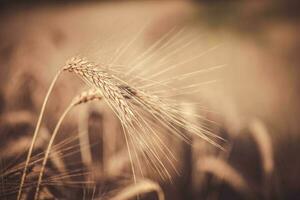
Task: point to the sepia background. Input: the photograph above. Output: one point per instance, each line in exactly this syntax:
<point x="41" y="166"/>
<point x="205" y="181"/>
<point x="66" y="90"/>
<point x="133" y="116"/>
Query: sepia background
<point x="255" y="105"/>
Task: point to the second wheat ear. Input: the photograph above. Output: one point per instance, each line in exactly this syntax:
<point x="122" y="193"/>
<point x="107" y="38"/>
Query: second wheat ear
<point x="84" y="97"/>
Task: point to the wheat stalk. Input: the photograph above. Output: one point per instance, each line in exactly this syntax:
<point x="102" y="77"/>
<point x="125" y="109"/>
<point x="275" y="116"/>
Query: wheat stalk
<point x="86" y="154"/>
<point x="261" y="136"/>
<point x="35" y="134"/>
<point x="141" y="187"/>
<point x="264" y="143"/>
<point x="84" y="97"/>
<point x="224" y="171"/>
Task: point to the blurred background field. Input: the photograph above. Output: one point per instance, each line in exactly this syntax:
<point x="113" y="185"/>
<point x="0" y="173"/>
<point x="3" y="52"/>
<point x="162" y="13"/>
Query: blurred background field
<point x="256" y="103"/>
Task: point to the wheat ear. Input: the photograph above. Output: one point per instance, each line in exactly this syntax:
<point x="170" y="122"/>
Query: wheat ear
<point x="82" y="98"/>
<point x="35" y="134"/>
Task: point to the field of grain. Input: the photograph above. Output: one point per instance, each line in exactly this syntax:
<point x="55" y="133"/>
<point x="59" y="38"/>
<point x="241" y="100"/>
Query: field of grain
<point x="147" y="100"/>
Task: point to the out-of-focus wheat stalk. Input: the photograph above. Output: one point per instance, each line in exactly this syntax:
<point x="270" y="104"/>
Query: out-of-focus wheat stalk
<point x="264" y="143"/>
<point x="141" y="187"/>
<point x="84" y="97"/>
<point x="59" y="151"/>
<point x="223" y="171"/>
<point x="263" y="140"/>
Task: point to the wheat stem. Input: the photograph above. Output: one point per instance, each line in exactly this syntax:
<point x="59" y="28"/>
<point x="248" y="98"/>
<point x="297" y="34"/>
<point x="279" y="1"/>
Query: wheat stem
<point x="86" y="155"/>
<point x="142" y="187"/>
<point x="83" y="98"/>
<point x="35" y="134"/>
<point x="49" y="148"/>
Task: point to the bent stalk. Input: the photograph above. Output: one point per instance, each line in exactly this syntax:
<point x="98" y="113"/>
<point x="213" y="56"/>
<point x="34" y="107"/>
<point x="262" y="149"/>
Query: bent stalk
<point x="35" y="134"/>
<point x="83" y="98"/>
